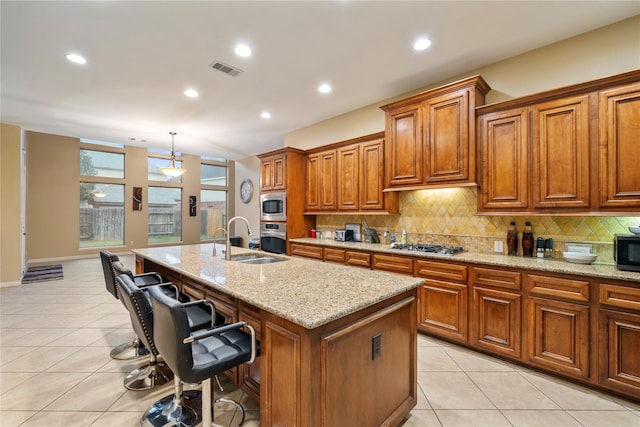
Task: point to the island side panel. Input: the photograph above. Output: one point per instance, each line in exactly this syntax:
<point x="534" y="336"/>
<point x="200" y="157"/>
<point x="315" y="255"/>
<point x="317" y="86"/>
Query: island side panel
<point x="328" y="376"/>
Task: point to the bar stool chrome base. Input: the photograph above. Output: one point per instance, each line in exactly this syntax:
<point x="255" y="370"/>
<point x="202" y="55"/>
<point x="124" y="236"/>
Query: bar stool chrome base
<point x="149" y="376"/>
<point x="184" y="412"/>
<point x="129" y="350"/>
<point x="236" y="404"/>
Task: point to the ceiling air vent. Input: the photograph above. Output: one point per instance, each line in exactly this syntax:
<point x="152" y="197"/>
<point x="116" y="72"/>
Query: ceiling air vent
<point x="225" y="68"/>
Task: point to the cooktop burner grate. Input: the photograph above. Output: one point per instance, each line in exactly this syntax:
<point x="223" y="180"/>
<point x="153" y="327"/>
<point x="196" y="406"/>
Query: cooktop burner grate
<point x="427" y="248"/>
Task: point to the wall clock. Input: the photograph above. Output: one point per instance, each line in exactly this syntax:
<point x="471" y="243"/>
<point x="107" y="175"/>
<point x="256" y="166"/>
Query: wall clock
<point x="246" y="191"/>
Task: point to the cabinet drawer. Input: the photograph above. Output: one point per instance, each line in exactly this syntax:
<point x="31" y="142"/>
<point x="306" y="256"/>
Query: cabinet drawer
<point x="393" y="263"/>
<point x="334" y="255"/>
<point x="441" y="270"/>
<point x="620" y="296"/>
<point x="361" y="259"/>
<point x="574" y="290"/>
<point x="306" y="251"/>
<point x="497" y="278"/>
<point x="193" y="293"/>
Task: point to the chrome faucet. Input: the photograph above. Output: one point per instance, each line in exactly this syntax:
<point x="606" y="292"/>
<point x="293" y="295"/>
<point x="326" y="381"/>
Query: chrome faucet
<point x="214" y="238"/>
<point x="227" y="254"/>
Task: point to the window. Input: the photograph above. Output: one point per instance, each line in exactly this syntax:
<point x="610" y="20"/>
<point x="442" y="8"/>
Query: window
<point x="154" y="173"/>
<point x="214" y="192"/>
<point x="165" y="214"/>
<point x="101" y="214"/>
<point x="213" y="175"/>
<point x="101" y="164"/>
<point x="213" y="213"/>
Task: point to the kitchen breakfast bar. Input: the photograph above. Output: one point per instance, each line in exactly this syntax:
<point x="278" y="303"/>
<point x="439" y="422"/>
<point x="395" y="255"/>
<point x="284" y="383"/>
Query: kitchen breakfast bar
<point x="338" y="343"/>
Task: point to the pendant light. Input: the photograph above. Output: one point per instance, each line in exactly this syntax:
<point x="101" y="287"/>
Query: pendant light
<point x="172" y="170"/>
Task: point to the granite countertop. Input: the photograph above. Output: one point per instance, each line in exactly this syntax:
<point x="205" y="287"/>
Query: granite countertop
<point x="543" y="265"/>
<point x="305" y="292"/>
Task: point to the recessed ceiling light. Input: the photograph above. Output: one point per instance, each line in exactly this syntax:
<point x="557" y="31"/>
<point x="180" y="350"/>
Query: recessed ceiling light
<point x="266" y="115"/>
<point x="243" y="50"/>
<point x="422" y="44"/>
<point x="74" y="57"/>
<point x="324" y="88"/>
<point x="191" y="93"/>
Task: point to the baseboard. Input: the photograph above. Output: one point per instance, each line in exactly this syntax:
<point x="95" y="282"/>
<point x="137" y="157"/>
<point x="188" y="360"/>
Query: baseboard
<point x="10" y="284"/>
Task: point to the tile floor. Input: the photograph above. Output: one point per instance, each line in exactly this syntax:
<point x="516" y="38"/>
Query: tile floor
<point x="55" y="370"/>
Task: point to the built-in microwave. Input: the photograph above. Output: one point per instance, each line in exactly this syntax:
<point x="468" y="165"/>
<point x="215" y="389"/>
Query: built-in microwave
<point x="273" y="206"/>
<point x="626" y="252"/>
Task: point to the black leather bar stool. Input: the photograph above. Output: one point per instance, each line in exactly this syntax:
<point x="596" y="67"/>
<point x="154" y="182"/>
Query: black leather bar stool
<point x="153" y="373"/>
<point x="136" y="300"/>
<point x="193" y="357"/>
<point x="132" y="349"/>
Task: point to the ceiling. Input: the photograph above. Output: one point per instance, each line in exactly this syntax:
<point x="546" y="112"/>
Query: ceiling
<point x="142" y="55"/>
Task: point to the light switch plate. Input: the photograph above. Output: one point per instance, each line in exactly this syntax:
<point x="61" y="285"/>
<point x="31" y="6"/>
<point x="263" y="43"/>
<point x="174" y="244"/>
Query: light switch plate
<point x="498" y="246"/>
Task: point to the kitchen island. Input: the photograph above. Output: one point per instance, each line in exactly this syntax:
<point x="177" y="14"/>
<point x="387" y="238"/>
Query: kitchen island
<point x="338" y="343"/>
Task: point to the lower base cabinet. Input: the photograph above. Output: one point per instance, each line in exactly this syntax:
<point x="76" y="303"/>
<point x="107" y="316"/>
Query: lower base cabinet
<point x="559" y="336"/>
<point x="443" y="309"/>
<point x="496" y="319"/>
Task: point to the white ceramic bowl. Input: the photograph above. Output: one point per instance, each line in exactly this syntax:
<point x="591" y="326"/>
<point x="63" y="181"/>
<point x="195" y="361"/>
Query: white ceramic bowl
<point x="634" y="230"/>
<point x="579" y="257"/>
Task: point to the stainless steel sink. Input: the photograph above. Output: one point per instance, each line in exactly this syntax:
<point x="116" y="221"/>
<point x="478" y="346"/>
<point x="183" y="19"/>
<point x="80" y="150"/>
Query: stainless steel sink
<point x="263" y="260"/>
<point x="256" y="259"/>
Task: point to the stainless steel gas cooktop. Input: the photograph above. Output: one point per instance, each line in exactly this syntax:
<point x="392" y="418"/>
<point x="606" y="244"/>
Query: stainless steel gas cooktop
<point x="427" y="248"/>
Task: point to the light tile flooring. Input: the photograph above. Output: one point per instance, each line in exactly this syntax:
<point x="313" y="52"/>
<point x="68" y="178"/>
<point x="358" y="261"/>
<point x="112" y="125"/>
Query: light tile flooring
<point x="55" y="370"/>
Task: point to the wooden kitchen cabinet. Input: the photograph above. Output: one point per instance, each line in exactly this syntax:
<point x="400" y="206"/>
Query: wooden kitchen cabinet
<point x="273" y="173"/>
<point x="568" y="150"/>
<point x="504" y="159"/>
<point x="496" y="311"/>
<point x="249" y="374"/>
<point x="560" y="151"/>
<point x="348" y="182"/>
<point x="334" y="255"/>
<point x="558" y="324"/>
<point x="308" y="251"/>
<point x="347" y="177"/>
<point x="321" y="181"/>
<point x="431" y="136"/>
<point x="619" y="115"/>
<point x="619" y="338"/>
<point x="442" y="299"/>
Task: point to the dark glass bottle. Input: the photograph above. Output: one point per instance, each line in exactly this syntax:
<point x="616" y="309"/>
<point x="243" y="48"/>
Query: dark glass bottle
<point x="527" y="240"/>
<point x="512" y="239"/>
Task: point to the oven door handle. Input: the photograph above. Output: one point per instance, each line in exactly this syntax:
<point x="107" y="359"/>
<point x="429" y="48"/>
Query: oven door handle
<point x="277" y="234"/>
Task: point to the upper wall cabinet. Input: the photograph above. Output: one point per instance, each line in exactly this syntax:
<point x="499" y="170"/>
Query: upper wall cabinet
<point x="565" y="151"/>
<point x="273" y="173"/>
<point x="619" y="147"/>
<point x="346" y="177"/>
<point x="431" y="137"/>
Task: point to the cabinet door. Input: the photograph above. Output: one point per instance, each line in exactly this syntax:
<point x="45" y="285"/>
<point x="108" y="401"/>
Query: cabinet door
<point x="447" y="148"/>
<point x="619" y="338"/>
<point x="504" y="159"/>
<point x="279" y="170"/>
<point x="403" y="151"/>
<point x="348" y="177"/>
<point x="559" y="336"/>
<point x="443" y="309"/>
<point x="266" y="174"/>
<point x="619" y="116"/>
<point x="312" y="194"/>
<point x="496" y="319"/>
<point x="327" y="181"/>
<point x="249" y="374"/>
<point x="371" y="175"/>
<point x="560" y="142"/>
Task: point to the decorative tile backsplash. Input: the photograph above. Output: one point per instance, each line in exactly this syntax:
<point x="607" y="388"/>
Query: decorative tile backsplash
<point x="447" y="216"/>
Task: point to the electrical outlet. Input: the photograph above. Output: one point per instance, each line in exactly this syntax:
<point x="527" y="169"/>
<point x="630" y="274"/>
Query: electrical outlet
<point x="498" y="246"/>
<point x="376" y="346"/>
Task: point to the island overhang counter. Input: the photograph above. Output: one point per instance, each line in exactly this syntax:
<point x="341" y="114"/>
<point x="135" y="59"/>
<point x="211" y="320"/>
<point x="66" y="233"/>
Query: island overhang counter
<point x="338" y="344"/>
